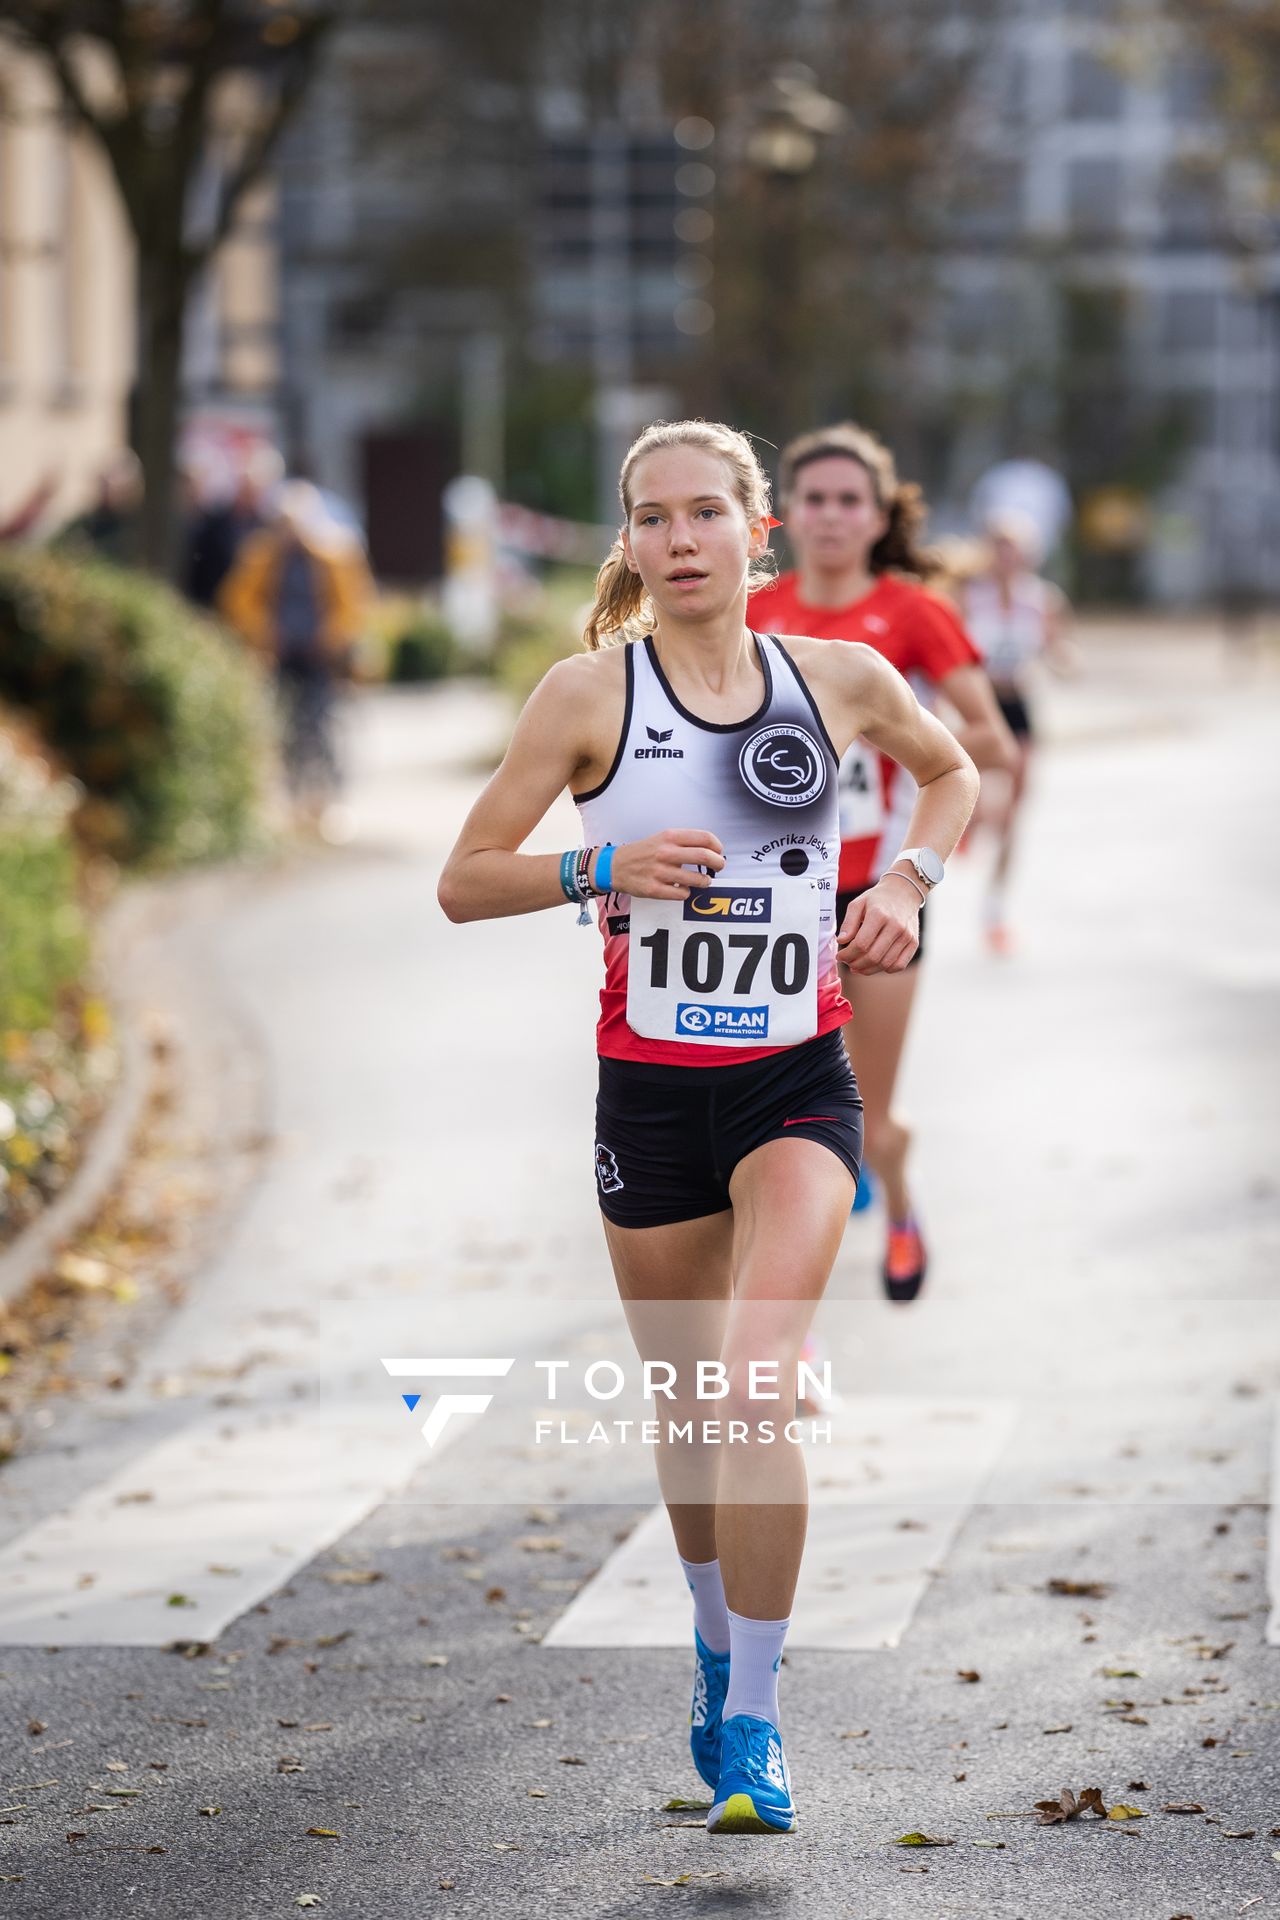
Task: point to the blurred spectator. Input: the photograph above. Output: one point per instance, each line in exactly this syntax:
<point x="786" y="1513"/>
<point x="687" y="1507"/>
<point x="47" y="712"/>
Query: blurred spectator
<point x="18" y="524"/>
<point x="300" y="591"/>
<point x="217" y="529"/>
<point x="111" y="526"/>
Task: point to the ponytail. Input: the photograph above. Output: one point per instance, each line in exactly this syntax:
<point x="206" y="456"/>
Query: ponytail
<point x="898" y="548"/>
<point x="619" y="603"/>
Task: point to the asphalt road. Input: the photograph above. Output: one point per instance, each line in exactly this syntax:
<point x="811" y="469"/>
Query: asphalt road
<point x="240" y="1599"/>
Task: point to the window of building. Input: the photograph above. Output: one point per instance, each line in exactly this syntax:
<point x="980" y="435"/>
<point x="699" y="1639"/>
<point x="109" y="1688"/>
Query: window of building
<point x="1189" y="320"/>
<point x="1095" y="195"/>
<point x="1095" y="89"/>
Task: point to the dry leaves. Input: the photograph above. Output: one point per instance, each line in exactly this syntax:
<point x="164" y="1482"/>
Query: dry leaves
<point x="1068" y="1807"/>
<point x="1079" y="1589"/>
<point x="921" y="1840"/>
<point x="968" y="1673"/>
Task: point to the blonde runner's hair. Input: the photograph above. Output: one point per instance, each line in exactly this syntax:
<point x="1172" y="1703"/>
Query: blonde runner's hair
<point x="622" y="608"/>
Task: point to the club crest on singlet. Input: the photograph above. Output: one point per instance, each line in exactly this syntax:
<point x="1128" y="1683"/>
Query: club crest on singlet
<point x="784" y="765"/>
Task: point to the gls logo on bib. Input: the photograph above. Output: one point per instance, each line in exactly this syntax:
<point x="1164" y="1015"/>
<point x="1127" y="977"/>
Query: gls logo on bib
<point x="784" y="765"/>
<point x="729" y="903"/>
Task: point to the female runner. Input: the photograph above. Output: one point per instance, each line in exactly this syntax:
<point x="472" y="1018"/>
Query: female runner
<point x="704" y="760"/>
<point x="1015" y="618"/>
<point x="854" y="528"/>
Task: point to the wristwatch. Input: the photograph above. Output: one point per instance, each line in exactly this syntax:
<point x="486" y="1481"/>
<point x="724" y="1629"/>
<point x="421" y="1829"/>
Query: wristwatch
<point x="926" y="863"/>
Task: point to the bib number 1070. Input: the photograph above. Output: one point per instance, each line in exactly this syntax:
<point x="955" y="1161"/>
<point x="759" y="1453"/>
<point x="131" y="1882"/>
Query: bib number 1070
<point x="707" y="959"/>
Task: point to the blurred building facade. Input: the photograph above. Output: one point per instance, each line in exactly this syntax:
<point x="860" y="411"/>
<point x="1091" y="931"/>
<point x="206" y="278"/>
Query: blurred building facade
<point x="1106" y="296"/>
<point x="67" y="344"/>
<point x="66" y="348"/>
<point x="1112" y="298"/>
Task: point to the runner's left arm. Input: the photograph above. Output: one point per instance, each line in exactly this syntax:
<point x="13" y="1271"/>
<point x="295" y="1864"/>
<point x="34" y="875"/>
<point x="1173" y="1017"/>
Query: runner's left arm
<point x="983" y="731"/>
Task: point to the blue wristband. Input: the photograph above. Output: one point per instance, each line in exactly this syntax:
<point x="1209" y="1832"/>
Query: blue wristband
<point x="569" y="875"/>
<point x="604" y="868"/>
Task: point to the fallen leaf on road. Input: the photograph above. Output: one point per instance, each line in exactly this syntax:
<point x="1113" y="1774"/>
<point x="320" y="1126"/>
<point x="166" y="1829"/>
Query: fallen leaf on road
<point x="180" y="1600"/>
<point x="505" y="1846"/>
<point x="537" y="1793"/>
<point x="856" y="1733"/>
<point x="920" y="1840"/>
<point x="1241" y="1833"/>
<point x="117" y="1766"/>
<point x="1068" y="1807"/>
<point x="685" y="1806"/>
<point x="1134" y="1719"/>
<point x="307" y="1900"/>
<point x="571" y="1760"/>
<point x="1182" y="1806"/>
<point x="323" y="1833"/>
<point x="540" y="1543"/>
<point x="1079" y="1589"/>
<point x="353" y="1576"/>
<point x="1063" y="1729"/>
<point x="211" y="1810"/>
<point x="318" y="1726"/>
<point x="1136" y="1786"/>
<point x="38" y="1726"/>
<point x="1120" y="1673"/>
<point x="287" y="1763"/>
<point x="502" y="1699"/>
<point x="968" y="1673"/>
<point x="681" y="1879"/>
<point x="436" y="1660"/>
<point x="1122" y="1812"/>
<point x="495" y="1594"/>
<point x="539" y="1723"/>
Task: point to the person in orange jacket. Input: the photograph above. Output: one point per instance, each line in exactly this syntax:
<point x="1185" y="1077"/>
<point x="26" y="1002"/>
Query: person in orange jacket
<point x="299" y="594"/>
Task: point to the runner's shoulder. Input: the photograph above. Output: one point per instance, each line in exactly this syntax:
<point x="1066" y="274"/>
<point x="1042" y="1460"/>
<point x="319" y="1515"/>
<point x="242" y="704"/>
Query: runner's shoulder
<point x="584" y="677"/>
<point x="838" y="663"/>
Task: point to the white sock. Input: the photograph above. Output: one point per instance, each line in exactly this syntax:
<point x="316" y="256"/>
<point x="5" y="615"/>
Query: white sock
<point x="710" y="1615"/>
<point x="756" y="1658"/>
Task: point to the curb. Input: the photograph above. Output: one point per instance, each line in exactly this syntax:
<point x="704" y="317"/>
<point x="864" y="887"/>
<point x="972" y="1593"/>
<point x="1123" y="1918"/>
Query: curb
<point x="36" y="1247"/>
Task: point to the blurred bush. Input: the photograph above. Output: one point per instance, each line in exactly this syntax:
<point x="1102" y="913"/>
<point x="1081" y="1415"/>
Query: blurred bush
<point x="423" y="650"/>
<point x="548" y="629"/>
<point x="162" y="719"/>
<point x="56" y="1059"/>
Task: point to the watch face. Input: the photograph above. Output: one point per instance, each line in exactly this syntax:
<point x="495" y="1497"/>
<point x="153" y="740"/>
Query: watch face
<point x="929" y="865"/>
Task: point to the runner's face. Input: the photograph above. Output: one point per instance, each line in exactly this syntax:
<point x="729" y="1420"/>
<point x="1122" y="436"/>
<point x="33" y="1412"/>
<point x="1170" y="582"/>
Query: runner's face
<point x="687" y="536"/>
<point x="833" y="517"/>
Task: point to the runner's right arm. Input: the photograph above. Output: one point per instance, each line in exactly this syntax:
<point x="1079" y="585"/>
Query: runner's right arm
<point x="561" y="735"/>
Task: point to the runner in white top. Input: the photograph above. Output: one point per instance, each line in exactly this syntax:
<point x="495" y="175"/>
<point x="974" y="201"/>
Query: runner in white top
<point x="1015" y="619"/>
<point x="728" y="1119"/>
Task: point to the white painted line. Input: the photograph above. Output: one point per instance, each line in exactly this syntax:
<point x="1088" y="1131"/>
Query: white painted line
<point x="256" y="1495"/>
<point x="1273" y="1537"/>
<point x="888" y="1498"/>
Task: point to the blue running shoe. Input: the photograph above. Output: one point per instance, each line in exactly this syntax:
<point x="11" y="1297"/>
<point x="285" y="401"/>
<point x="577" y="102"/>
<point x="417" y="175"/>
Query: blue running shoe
<point x="866" y="1191"/>
<point x="753" y="1793"/>
<point x="710" y="1684"/>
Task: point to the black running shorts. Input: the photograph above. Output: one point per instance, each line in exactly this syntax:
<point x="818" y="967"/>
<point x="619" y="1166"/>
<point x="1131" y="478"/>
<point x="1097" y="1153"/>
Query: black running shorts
<point x="668" y="1138"/>
<point x="1017" y="713"/>
<point x="842" y="907"/>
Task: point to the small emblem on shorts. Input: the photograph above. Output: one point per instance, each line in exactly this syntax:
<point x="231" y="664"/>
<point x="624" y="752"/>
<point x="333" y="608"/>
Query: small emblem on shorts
<point x="607" y="1170"/>
<point x="784" y="765"/>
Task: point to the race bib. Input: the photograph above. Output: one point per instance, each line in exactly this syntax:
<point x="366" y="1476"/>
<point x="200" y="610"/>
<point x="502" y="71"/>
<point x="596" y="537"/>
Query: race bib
<point x="729" y="964"/>
<point x="861" y="793"/>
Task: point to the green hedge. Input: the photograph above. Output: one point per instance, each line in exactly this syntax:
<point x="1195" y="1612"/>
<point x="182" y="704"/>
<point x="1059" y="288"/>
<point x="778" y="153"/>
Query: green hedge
<point x="157" y="713"/>
<point x="56" y="1060"/>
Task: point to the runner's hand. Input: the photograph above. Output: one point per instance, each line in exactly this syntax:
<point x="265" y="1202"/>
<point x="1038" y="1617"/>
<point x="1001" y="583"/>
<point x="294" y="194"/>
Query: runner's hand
<point x="663" y="867"/>
<point x="881" y="930"/>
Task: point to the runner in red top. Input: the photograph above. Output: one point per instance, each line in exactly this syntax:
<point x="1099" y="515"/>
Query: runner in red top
<point x="853" y="527"/>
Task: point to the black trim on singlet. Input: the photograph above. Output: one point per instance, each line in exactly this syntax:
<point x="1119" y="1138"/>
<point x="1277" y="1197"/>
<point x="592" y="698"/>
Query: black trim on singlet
<point x="629" y="658"/>
<point x="819" y="722"/>
<point x="715" y="726"/>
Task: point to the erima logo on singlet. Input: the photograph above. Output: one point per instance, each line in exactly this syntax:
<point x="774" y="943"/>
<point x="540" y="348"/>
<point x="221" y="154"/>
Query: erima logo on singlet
<point x="659" y="750"/>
